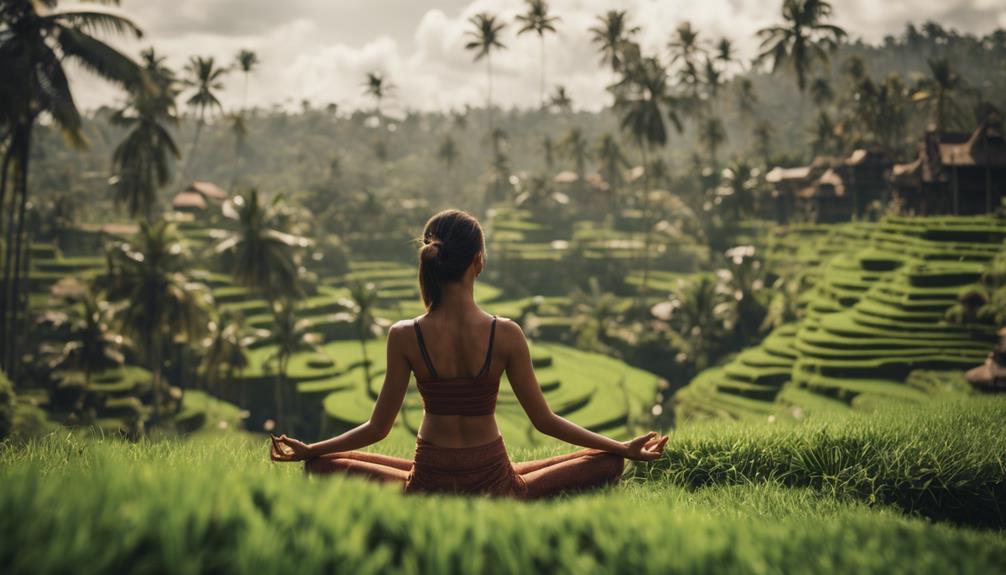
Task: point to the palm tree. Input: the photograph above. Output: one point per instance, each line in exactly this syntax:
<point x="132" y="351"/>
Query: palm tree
<point x="823" y="138"/>
<point x="160" y="301"/>
<point x="643" y="98"/>
<point x="290" y="334"/>
<point x="739" y="189"/>
<point x="377" y="86"/>
<point x="224" y="350"/>
<point x="595" y="314"/>
<point x="538" y="20"/>
<point x="712" y="134"/>
<point x="362" y="303"/>
<point x="746" y="98"/>
<point x="246" y="61"/>
<point x="448" y="154"/>
<point x="940" y="93"/>
<point x="575" y="147"/>
<point x="610" y="34"/>
<point x="485" y="38"/>
<point x="36" y="41"/>
<point x="684" y="45"/>
<point x="260" y="255"/>
<point x="803" y="39"/>
<point x="762" y="135"/>
<point x="90" y="344"/>
<point x="821" y="92"/>
<point x="561" y="101"/>
<point x="205" y="77"/>
<point x="144" y="159"/>
<point x="612" y="161"/>
<point x="548" y="153"/>
<point x="699" y="313"/>
<point x="725" y="54"/>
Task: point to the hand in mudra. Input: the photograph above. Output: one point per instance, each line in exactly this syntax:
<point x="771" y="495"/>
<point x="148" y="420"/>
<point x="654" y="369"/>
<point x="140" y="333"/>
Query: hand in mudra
<point x="645" y="447"/>
<point x="288" y="449"/>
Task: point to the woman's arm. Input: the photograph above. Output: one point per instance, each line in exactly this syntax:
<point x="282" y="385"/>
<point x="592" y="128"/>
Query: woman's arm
<point x="396" y="383"/>
<point x="520" y="372"/>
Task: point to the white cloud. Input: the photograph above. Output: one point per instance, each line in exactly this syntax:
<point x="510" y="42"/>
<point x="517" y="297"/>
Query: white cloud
<point x="305" y="53"/>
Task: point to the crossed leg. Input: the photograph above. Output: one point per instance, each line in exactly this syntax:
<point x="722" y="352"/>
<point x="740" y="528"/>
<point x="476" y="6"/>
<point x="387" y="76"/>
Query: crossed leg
<point x="373" y="466"/>
<point x="583" y="469"/>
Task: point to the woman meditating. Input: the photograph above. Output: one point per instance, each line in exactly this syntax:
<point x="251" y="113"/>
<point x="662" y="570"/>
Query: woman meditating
<point x="458" y="353"/>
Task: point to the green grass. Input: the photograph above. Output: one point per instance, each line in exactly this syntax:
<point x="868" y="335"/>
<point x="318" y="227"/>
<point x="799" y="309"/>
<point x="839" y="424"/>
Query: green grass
<point x="834" y="495"/>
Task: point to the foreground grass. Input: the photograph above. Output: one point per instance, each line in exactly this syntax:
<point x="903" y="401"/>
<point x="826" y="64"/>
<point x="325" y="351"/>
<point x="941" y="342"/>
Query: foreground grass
<point x="759" y="499"/>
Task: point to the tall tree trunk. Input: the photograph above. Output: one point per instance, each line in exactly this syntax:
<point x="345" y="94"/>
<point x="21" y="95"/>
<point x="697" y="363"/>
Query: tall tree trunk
<point x="278" y="392"/>
<point x="643" y="288"/>
<point x="8" y="246"/>
<point x="192" y="150"/>
<point x="15" y="337"/>
<point x="156" y="366"/>
<point x="541" y="83"/>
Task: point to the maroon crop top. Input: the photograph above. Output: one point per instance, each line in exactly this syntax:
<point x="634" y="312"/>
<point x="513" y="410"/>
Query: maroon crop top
<point x="459" y="395"/>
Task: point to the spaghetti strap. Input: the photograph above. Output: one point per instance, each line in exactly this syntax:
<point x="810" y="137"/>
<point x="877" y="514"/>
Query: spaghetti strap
<point x="489" y="352"/>
<point x="423" y="351"/>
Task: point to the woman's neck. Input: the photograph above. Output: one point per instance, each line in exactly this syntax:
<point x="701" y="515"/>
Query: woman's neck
<point x="457" y="299"/>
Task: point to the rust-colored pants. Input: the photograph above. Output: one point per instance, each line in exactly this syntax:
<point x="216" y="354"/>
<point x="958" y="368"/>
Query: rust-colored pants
<point x="484" y="469"/>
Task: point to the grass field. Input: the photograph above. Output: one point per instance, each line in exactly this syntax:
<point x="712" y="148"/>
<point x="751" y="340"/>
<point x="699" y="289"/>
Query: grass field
<point x="850" y="494"/>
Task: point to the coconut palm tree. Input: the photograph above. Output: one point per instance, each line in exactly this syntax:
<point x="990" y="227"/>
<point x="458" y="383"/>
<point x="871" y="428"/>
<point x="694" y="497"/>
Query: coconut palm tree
<point x="548" y="153"/>
<point x="745" y="97"/>
<point x="643" y="98"/>
<point x="725" y="53"/>
<point x="612" y="161"/>
<point x="538" y="20"/>
<point x="144" y="160"/>
<point x="701" y="315"/>
<point x="739" y="189"/>
<point x="485" y="38"/>
<point x="762" y="135"/>
<point x="378" y="87"/>
<point x="290" y="335"/>
<point x="160" y="302"/>
<point x="712" y="135"/>
<point x="260" y="255"/>
<point x="685" y="46"/>
<point x="448" y="154"/>
<point x="610" y="34"/>
<point x="362" y="305"/>
<point x="821" y="92"/>
<point x="246" y="61"/>
<point x="561" y="101"/>
<point x="206" y="79"/>
<point x="574" y="146"/>
<point x="224" y="350"/>
<point x="36" y="42"/>
<point x="89" y="343"/>
<point x="803" y="39"/>
<point x="940" y="94"/>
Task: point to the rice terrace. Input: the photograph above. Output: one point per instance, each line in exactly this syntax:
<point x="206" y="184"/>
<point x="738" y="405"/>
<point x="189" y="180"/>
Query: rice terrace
<point x="502" y="286"/>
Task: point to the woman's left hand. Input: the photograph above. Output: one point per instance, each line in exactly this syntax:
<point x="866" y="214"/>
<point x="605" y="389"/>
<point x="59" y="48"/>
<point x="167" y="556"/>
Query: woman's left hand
<point x="289" y="449"/>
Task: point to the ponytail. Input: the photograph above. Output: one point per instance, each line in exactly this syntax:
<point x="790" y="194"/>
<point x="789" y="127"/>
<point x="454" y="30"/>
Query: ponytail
<point x="451" y="241"/>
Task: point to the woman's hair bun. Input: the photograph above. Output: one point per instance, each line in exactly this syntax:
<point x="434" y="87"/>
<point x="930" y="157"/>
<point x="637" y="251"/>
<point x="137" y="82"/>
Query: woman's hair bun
<point x="432" y="249"/>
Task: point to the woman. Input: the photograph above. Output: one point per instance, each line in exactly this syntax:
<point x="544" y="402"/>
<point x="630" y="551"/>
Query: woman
<point x="458" y="354"/>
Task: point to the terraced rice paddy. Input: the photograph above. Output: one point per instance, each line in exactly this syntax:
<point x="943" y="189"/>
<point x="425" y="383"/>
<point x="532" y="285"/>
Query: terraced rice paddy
<point x="876" y="312"/>
<point x="331" y="394"/>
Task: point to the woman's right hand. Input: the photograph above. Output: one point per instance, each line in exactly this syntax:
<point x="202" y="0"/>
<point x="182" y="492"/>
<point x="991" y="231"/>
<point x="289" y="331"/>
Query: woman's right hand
<point x="645" y="447"/>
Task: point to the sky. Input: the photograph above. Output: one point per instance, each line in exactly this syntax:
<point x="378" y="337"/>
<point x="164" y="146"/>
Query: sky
<point x="321" y="50"/>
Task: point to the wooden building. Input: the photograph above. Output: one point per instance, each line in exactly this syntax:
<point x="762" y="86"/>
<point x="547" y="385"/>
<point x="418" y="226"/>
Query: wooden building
<point x="830" y="189"/>
<point x="955" y="172"/>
